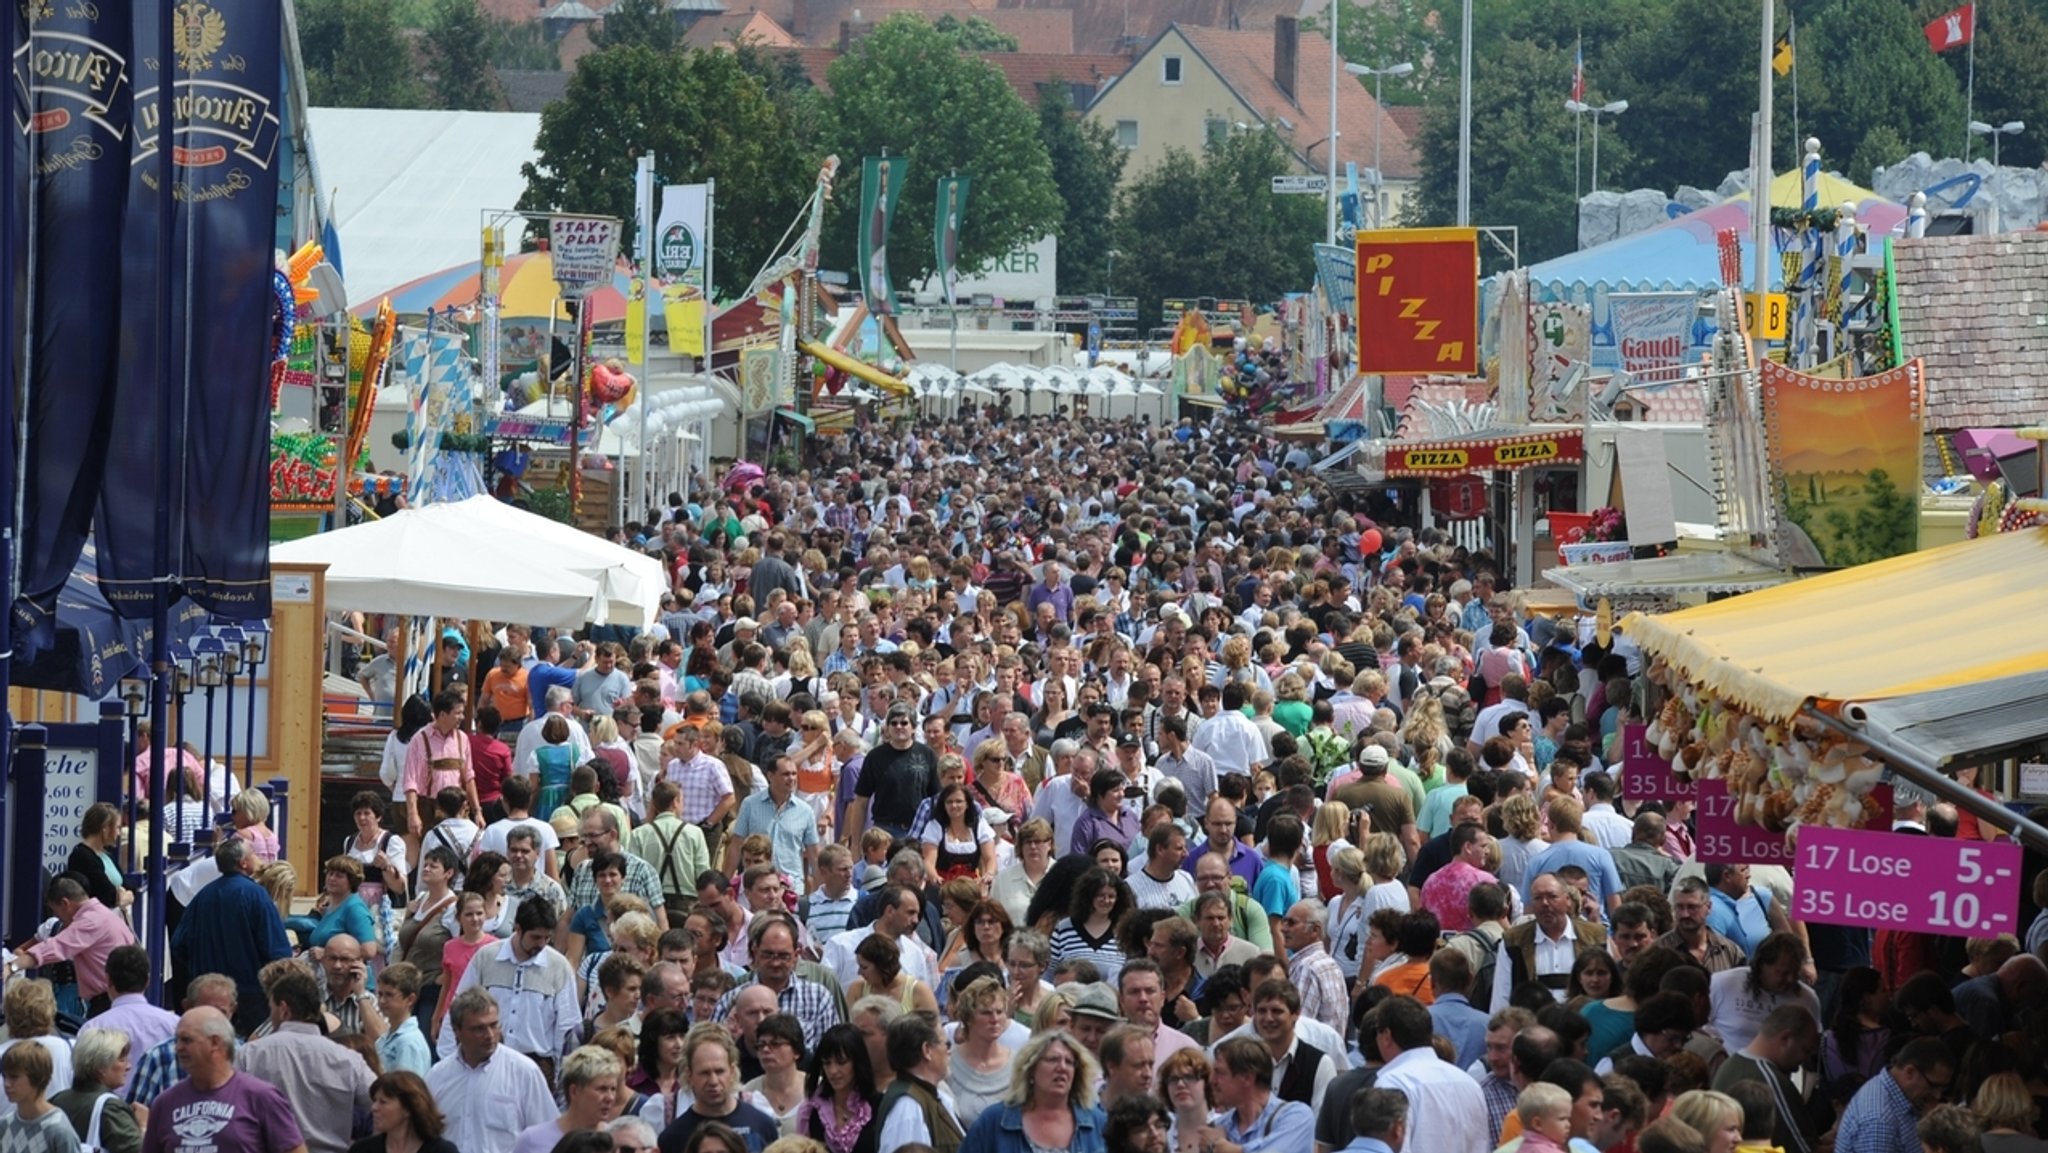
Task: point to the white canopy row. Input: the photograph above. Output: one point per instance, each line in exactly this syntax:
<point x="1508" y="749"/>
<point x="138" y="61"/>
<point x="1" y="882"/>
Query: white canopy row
<point x="936" y="380"/>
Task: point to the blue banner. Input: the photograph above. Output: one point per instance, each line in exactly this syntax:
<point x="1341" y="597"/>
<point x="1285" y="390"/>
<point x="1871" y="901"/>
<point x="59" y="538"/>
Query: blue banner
<point x="222" y="161"/>
<point x="73" y="102"/>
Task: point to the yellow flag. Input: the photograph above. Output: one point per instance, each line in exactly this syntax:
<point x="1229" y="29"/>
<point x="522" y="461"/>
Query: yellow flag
<point x="1781" y="60"/>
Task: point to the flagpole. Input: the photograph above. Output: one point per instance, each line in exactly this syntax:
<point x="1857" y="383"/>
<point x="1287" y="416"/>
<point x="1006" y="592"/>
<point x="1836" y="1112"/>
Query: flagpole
<point x="1970" y="87"/>
<point x="1792" y="42"/>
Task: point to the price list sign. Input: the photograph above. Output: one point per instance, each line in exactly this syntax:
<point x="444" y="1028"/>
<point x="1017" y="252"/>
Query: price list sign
<point x="1719" y="840"/>
<point x="1645" y="776"/>
<point x="1898" y="881"/>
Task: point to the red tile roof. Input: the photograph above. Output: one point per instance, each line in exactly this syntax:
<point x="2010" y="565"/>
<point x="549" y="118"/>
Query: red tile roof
<point x="1245" y="61"/>
<point x="1027" y="70"/>
<point x="748" y="27"/>
<point x="1128" y="25"/>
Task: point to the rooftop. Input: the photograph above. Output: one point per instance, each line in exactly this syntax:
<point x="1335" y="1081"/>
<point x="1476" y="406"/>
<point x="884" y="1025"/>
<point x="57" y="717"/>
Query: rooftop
<point x="1975" y="309"/>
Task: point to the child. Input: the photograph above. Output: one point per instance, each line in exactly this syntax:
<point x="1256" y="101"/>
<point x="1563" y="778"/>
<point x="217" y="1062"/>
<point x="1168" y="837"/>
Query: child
<point x="402" y="1048"/>
<point x="456" y="955"/>
<point x="1546" y="1113"/>
<point x="453" y="832"/>
<point x="619" y="979"/>
<point x="34" y="1125"/>
<point x="873" y="867"/>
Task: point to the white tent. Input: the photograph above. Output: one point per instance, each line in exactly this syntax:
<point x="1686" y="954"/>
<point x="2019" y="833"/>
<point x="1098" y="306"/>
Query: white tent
<point x="437" y="562"/>
<point x="630" y="583"/>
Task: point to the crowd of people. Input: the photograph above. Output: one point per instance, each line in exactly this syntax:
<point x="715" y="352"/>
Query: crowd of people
<point x="1022" y="784"/>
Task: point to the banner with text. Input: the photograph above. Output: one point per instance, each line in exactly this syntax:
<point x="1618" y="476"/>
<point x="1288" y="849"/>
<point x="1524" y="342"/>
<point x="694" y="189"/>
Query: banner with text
<point x="1453" y="457"/>
<point x="1652" y="331"/>
<point x="881" y="186"/>
<point x="1418" y="301"/>
<point x="227" y="76"/>
<point x="74" y="97"/>
<point x="952" y="202"/>
<point x="681" y="258"/>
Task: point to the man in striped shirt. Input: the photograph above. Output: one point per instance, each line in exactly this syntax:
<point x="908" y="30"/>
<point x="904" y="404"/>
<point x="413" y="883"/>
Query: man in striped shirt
<point x="828" y="909"/>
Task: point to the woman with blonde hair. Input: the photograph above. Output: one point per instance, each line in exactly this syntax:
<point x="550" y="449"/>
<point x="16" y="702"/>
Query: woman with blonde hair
<point x="281" y="881"/>
<point x="1714" y="1116"/>
<point x="30" y="1011"/>
<point x="250" y="810"/>
<point x="1236" y="665"/>
<point x="2006" y="1107"/>
<point x="1055" y="1010"/>
<point x="1383" y="859"/>
<point x="1524" y="825"/>
<point x="1051" y="1103"/>
<point x="1346" y="929"/>
<point x="1425" y="727"/>
<point x="979" y="1072"/>
<point x="1290" y="708"/>
<point x="803" y="671"/>
<point x="1326" y="836"/>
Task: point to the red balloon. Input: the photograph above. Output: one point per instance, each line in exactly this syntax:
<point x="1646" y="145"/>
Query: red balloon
<point x="1369" y="542"/>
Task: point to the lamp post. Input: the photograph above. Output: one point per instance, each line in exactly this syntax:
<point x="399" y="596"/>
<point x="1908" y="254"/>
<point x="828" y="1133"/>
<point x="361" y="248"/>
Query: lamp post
<point x="1330" y="158"/>
<point x="2009" y="128"/>
<point x="1379" y="115"/>
<point x="134" y="691"/>
<point x="1576" y="107"/>
<point x="209" y="671"/>
<point x="255" y="654"/>
<point x="1465" y="116"/>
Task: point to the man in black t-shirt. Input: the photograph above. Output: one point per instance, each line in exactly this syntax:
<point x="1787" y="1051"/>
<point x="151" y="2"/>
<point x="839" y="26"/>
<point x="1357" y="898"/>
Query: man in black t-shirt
<point x="897" y="774"/>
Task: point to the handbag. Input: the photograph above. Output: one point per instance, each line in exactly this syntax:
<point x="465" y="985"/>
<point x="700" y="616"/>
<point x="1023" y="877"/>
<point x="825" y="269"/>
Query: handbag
<point x="91" y="1143"/>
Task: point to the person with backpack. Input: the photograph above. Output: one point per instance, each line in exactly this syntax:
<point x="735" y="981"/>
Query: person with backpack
<point x="674" y="847"/>
<point x="1489" y="905"/>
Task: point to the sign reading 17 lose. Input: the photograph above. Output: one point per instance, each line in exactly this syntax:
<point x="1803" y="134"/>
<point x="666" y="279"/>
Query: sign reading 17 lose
<point x="1418" y="301"/>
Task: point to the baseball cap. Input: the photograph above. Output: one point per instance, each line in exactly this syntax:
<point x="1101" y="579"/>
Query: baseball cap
<point x="1095" y="999"/>
<point x="1373" y="756"/>
<point x="1129" y="741"/>
<point x="746" y="623"/>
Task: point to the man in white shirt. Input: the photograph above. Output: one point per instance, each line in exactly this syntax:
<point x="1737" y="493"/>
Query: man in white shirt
<point x="532" y="985"/>
<point x="1063" y="798"/>
<point x="1604" y="827"/>
<point x="562" y="703"/>
<point x="1230" y="738"/>
<point x="900" y="911"/>
<point x="1181" y="761"/>
<point x="1160" y="883"/>
<point x="1446" y="1109"/>
<point x="919" y="1099"/>
<point x="488" y="1093"/>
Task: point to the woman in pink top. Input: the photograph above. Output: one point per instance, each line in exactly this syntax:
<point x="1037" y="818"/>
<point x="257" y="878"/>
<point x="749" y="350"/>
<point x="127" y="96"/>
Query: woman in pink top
<point x="251" y="812"/>
<point x="456" y="955"/>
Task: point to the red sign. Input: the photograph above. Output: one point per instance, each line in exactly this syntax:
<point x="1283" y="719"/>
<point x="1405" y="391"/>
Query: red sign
<point x="1418" y="301"/>
<point x="1457" y="497"/>
<point x="1899" y="881"/>
<point x="1721" y="841"/>
<point x="1645" y="776"/>
<point x="1504" y="453"/>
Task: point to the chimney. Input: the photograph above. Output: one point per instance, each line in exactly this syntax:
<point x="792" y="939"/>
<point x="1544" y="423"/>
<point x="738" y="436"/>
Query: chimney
<point x="800" y="19"/>
<point x="1286" y="51"/>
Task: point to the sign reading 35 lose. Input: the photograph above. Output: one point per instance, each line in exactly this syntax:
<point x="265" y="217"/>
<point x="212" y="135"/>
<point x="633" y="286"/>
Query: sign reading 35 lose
<point x="1897" y="881"/>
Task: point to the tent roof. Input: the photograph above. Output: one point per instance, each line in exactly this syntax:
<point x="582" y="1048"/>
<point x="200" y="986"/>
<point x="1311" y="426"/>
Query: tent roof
<point x="434" y="562"/>
<point x="1975" y="613"/>
<point x="1683" y="252"/>
<point x="410" y="187"/>
<point x="630" y="582"/>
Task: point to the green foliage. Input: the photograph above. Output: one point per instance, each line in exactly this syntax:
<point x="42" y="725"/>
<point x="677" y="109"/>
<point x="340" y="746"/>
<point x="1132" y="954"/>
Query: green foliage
<point x="1522" y="152"/>
<point x="1882" y="145"/>
<point x="1690" y="81"/>
<point x="907" y="89"/>
<point x="703" y="115"/>
<point x="646" y="23"/>
<point x="1865" y="66"/>
<point x="458" y="42"/>
<point x="1086" y="166"/>
<point x="975" y="34"/>
<point x="523" y="47"/>
<point x="1188" y="227"/>
<point x="356" y="55"/>
<point x="2012" y="43"/>
<point x="1394" y="32"/>
<point x="1856" y="519"/>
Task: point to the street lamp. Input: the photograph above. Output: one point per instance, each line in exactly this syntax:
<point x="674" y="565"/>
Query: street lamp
<point x="1379" y="114"/>
<point x="2009" y="128"/>
<point x="1615" y="109"/>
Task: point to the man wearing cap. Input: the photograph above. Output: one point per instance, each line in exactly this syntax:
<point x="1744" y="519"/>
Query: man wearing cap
<point x="897" y="774"/>
<point x="1384" y="801"/>
<point x="1094" y="1013"/>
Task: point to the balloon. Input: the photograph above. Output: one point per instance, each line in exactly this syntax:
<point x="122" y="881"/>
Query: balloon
<point x="1369" y="542"/>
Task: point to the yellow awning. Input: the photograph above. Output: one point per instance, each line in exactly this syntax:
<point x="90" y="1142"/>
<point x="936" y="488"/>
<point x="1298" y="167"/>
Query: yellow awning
<point x="1965" y="612"/>
<point x="854" y="367"/>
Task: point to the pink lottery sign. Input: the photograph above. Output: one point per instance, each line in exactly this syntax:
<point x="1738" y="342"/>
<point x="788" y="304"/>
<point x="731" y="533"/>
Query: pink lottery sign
<point x="1900" y="881"/>
<point x="1718" y="840"/>
<point x="1645" y="776"/>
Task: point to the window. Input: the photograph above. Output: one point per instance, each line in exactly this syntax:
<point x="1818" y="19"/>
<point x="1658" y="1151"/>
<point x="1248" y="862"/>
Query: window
<point x="1215" y="129"/>
<point x="1169" y="70"/>
<point x="1127" y="134"/>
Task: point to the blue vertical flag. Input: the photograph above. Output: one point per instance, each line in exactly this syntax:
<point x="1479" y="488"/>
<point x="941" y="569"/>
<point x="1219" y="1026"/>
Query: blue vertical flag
<point x="227" y="73"/>
<point x="73" y="98"/>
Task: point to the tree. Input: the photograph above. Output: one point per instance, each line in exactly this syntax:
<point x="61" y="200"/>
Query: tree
<point x="643" y="22"/>
<point x="1086" y="166"/>
<point x="458" y="44"/>
<point x="1522" y="149"/>
<point x="703" y="116"/>
<point x="2012" y="42"/>
<point x="907" y="89"/>
<point x="523" y="47"/>
<point x="1867" y="66"/>
<point x="356" y="56"/>
<point x="975" y="34"/>
<point x="1212" y="227"/>
<point x="1690" y="82"/>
